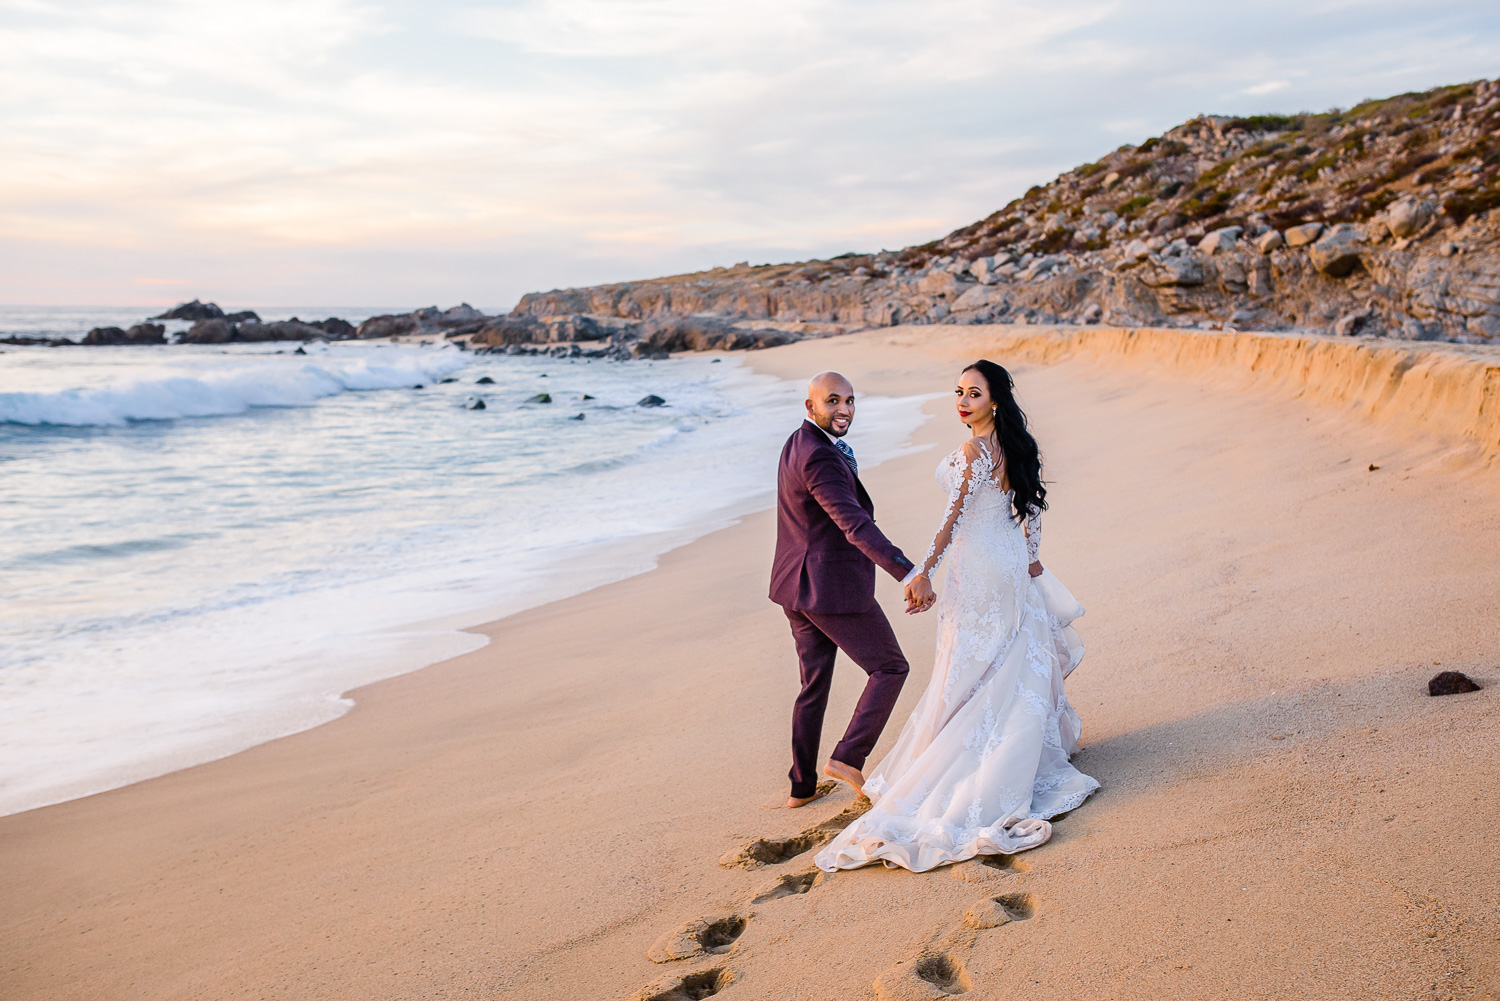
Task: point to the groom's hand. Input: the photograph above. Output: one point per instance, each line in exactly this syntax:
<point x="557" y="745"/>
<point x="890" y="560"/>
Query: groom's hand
<point x="919" y="595"/>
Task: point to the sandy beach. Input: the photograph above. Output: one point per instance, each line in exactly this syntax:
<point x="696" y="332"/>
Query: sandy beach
<point x="1277" y="548"/>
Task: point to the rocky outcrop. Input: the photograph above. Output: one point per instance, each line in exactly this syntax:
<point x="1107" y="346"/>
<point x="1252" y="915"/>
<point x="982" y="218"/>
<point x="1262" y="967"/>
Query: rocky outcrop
<point x="279" y="330"/>
<point x="141" y="333"/>
<point x="194" y="310"/>
<point x="214" y="330"/>
<point x="223" y="330"/>
<point x="428" y="321"/>
<point x="1377" y="221"/>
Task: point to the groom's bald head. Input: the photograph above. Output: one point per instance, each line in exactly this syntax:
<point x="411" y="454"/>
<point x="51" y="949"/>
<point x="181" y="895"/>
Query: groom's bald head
<point x="830" y="403"/>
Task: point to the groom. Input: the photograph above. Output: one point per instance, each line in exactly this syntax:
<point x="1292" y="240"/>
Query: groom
<point x="823" y="576"/>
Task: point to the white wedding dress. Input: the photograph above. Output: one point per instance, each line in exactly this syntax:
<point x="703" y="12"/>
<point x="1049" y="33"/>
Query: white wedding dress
<point x="982" y="763"/>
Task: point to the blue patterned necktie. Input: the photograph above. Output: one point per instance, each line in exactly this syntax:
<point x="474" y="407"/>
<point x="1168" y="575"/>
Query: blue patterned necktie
<point x="847" y="453"/>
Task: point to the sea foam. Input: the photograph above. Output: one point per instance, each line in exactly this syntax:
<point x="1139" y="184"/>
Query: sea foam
<point x="167" y="395"/>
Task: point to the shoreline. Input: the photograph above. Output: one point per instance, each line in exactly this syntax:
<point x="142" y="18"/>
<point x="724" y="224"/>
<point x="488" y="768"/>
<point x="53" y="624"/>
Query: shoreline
<point x="440" y="628"/>
<point x="526" y="819"/>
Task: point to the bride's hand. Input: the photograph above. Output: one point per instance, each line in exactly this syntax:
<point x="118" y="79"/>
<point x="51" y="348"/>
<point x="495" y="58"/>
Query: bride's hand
<point x="1035" y="569"/>
<point x="919" y="595"/>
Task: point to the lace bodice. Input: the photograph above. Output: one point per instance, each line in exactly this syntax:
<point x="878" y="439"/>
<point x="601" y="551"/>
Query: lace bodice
<point x="971" y="477"/>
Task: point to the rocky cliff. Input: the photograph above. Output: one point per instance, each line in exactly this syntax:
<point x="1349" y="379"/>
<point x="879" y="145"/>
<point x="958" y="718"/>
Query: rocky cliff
<point x="1377" y="221"/>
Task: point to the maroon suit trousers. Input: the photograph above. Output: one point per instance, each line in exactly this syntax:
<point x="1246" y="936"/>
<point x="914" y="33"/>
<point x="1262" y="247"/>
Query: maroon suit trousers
<point x="867" y="638"/>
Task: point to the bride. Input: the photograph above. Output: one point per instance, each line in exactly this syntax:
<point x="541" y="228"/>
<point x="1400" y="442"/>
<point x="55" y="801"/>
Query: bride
<point x="982" y="764"/>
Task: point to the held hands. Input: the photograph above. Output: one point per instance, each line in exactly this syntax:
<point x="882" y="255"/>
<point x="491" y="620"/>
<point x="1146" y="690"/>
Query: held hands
<point x="919" y="595"/>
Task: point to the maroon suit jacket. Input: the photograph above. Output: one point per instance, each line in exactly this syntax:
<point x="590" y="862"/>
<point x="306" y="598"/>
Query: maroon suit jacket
<point x="827" y="544"/>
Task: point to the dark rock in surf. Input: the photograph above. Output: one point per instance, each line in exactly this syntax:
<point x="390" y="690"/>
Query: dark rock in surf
<point x="448" y="380"/>
<point x="212" y="331"/>
<point x="43" y="342"/>
<point x="651" y="401"/>
<point x="1451" y="683"/>
<point x="194" y="310"/>
<point x="278" y="330"/>
<point x="141" y="333"/>
<point x="477" y="405"/>
<point x="334" y="327"/>
<point x="541" y="398"/>
<point x="577" y="417"/>
<point x="484" y="380"/>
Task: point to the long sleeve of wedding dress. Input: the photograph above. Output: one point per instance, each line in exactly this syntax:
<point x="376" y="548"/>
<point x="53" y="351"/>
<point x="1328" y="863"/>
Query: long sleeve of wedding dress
<point x="972" y="458"/>
<point x="1033" y="537"/>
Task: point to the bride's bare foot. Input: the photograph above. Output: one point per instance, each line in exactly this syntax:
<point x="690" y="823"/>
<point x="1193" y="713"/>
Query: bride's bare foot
<point x="846" y="773"/>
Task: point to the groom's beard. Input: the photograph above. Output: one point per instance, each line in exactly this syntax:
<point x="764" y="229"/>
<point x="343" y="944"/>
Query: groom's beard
<point x="826" y="423"/>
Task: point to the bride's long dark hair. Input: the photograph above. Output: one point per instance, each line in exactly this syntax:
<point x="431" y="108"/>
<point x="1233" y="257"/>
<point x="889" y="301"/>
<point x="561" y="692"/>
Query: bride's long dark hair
<point x="1023" y="460"/>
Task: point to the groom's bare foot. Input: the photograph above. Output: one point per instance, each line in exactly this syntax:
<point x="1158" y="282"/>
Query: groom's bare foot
<point x="846" y="773"/>
<point x="795" y="801"/>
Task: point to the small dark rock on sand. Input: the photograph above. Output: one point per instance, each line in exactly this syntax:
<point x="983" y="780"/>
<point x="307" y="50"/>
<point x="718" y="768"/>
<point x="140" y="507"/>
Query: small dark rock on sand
<point x="651" y="401"/>
<point x="477" y="405"/>
<point x="1451" y="683"/>
<point x="541" y="398"/>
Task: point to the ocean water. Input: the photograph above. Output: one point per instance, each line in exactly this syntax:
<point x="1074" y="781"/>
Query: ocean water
<point x="204" y="547"/>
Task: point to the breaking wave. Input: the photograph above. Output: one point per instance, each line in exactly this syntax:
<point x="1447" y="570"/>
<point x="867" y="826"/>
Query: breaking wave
<point x="219" y="394"/>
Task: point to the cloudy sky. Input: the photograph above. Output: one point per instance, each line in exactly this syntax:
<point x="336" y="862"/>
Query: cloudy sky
<point x="382" y="152"/>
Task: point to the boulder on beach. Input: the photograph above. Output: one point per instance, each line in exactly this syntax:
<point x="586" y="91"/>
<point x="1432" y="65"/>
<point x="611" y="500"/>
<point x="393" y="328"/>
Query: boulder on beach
<point x="651" y="400"/>
<point x="541" y="398"/>
<point x="1451" y="683"/>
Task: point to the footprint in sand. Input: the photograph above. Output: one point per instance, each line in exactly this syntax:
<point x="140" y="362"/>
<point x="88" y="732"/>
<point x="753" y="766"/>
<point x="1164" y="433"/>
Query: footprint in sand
<point x="992" y="912"/>
<point x="984" y="868"/>
<point x="773" y="851"/>
<point x="929" y="976"/>
<point x="790" y="885"/>
<point x="688" y="986"/>
<point x="770" y="851"/>
<point x="711" y="936"/>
